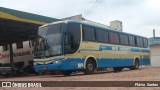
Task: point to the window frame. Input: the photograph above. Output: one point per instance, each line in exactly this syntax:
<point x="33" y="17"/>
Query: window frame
<point x="18" y="45"/>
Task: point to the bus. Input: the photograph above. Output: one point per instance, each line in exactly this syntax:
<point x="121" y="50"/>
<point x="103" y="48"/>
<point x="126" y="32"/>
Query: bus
<point x="22" y="59"/>
<point x="71" y="46"/>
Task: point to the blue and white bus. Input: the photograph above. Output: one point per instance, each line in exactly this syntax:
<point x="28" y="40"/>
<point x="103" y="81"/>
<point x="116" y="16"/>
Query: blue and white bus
<point x="70" y="46"/>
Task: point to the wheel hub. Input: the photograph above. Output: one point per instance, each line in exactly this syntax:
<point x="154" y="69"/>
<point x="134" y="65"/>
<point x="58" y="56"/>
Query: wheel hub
<point x="90" y="67"/>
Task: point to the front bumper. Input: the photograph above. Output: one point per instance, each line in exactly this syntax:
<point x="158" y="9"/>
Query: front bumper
<point x="5" y="70"/>
<point x="62" y="65"/>
<point x="48" y="67"/>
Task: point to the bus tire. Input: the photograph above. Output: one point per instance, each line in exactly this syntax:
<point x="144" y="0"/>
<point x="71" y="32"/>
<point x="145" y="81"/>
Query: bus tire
<point x="136" y="65"/>
<point x="117" y="69"/>
<point x="66" y="73"/>
<point x="90" y="67"/>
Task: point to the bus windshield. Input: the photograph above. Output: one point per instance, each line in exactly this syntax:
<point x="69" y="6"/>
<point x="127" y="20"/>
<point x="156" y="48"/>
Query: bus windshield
<point x="49" y="40"/>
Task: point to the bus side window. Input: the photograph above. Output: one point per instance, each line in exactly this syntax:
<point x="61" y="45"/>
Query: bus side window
<point x="68" y="41"/>
<point x="113" y="37"/>
<point x="101" y="35"/>
<point x="72" y="39"/>
<point x="88" y="33"/>
<point x="123" y="39"/>
<point x="132" y="41"/>
<point x="139" y="41"/>
<point x="145" y="41"/>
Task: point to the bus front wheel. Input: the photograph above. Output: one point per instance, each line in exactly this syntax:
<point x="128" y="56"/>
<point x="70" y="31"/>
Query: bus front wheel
<point x="90" y="67"/>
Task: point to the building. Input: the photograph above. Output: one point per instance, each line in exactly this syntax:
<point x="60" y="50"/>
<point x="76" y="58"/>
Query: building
<point x="154" y="45"/>
<point x="116" y="25"/>
<point x="16" y="28"/>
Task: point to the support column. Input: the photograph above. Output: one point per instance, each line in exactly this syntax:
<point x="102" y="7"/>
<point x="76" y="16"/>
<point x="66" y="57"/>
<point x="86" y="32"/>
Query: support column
<point x="11" y="55"/>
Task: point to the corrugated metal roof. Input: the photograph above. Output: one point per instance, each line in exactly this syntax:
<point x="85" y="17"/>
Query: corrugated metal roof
<point x="24" y="16"/>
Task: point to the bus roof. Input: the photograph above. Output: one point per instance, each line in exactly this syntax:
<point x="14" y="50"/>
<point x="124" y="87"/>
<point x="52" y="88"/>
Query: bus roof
<point x="90" y="24"/>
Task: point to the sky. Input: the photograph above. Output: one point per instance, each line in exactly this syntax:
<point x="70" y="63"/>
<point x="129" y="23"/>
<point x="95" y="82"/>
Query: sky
<point x="139" y="17"/>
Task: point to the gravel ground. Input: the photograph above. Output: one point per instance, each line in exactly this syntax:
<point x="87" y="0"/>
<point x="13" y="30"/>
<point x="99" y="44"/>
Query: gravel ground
<point x="142" y="74"/>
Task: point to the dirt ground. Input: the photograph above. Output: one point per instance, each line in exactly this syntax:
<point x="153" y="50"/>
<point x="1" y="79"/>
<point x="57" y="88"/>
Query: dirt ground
<point x="142" y="74"/>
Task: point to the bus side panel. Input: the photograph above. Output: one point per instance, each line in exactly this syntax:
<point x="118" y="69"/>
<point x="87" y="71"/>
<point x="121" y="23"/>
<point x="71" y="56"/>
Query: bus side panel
<point x="109" y="62"/>
<point x="145" y="61"/>
<point x="73" y="64"/>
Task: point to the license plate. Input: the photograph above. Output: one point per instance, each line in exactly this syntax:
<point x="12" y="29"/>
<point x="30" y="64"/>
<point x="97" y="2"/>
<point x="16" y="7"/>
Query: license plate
<point x="45" y="68"/>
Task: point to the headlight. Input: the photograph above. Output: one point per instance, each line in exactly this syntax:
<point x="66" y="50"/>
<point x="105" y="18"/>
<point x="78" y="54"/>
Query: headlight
<point x="57" y="61"/>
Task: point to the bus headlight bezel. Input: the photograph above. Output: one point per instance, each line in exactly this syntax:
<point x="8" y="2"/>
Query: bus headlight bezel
<point x="57" y="61"/>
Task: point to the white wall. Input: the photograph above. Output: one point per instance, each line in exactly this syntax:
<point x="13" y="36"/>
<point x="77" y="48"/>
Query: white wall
<point x="155" y="55"/>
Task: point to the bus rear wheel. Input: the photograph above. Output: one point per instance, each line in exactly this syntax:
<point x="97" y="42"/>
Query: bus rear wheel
<point x="135" y="66"/>
<point x="90" y="67"/>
